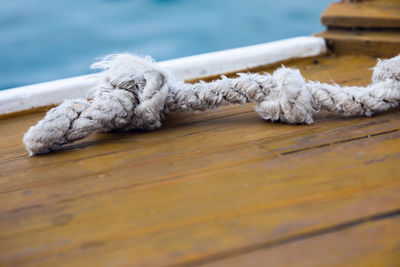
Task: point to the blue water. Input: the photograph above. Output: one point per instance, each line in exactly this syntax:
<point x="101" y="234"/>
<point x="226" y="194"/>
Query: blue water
<point x="42" y="40"/>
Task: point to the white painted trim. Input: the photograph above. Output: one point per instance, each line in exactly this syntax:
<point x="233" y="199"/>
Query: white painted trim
<point x="186" y="68"/>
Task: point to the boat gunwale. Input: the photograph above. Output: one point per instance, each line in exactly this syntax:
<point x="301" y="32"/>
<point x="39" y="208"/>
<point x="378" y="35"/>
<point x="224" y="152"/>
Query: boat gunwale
<point x="25" y="98"/>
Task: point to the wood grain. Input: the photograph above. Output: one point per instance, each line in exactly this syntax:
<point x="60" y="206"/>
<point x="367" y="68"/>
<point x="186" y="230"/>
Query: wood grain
<point x="363" y="14"/>
<point x="363" y="27"/>
<point x="373" y="43"/>
<point x="221" y="187"/>
<point x="365" y="242"/>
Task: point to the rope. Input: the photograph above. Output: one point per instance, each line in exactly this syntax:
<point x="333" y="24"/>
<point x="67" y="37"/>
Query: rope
<point x="134" y="93"/>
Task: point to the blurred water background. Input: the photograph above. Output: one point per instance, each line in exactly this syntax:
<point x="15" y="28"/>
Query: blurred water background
<point x="42" y="40"/>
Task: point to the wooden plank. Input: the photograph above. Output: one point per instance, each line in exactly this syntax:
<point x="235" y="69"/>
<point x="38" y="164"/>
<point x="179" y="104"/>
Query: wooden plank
<point x="214" y="209"/>
<point x="364" y="243"/>
<point x="363" y="14"/>
<point x="204" y="184"/>
<point x="208" y="155"/>
<point x="373" y="43"/>
<point x="215" y="206"/>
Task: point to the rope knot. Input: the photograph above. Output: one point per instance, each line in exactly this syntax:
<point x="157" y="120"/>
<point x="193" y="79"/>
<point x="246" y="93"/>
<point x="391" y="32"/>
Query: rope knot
<point x="144" y="79"/>
<point x="288" y="100"/>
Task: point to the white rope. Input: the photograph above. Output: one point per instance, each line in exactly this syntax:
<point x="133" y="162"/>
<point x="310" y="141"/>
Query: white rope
<point x="133" y="93"/>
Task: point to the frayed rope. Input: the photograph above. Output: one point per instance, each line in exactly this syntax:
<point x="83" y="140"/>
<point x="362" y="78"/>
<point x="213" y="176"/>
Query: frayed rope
<point x="134" y="93"/>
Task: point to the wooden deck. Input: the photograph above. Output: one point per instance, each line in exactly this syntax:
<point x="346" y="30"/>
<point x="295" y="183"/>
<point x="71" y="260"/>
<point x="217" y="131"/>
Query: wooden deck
<point x="221" y="188"/>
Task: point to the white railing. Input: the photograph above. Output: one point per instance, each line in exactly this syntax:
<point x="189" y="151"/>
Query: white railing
<point x="186" y="68"/>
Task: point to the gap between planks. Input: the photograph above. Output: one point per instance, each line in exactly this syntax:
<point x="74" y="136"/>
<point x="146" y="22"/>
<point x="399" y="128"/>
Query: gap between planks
<point x="223" y="255"/>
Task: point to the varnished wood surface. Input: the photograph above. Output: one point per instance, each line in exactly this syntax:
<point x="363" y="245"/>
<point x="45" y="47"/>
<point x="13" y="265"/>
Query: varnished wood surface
<point x="370" y="27"/>
<point x="363" y="14"/>
<point x="221" y="188"/>
<point x="374" y="43"/>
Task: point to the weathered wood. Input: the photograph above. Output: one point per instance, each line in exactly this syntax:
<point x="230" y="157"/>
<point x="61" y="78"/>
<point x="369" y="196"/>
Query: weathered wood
<point x="363" y="14"/>
<point x="374" y="43"/>
<point x="209" y="188"/>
